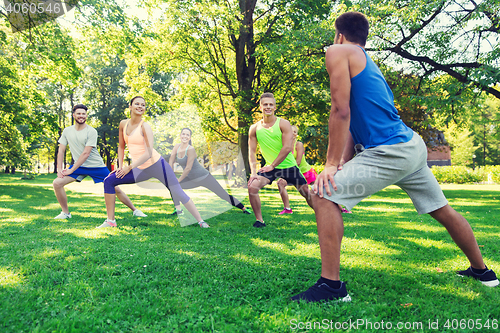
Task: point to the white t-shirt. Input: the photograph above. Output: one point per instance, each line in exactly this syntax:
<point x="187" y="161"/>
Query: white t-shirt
<point x="78" y="140"/>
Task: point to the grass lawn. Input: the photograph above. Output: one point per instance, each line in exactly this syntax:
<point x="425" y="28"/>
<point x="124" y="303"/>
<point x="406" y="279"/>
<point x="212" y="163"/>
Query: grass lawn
<point x="151" y="275"/>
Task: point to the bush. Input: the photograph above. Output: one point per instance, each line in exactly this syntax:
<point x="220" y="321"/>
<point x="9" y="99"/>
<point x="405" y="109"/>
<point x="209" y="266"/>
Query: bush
<point x="457" y="174"/>
<point x="319" y="168"/>
<point x="494" y="172"/>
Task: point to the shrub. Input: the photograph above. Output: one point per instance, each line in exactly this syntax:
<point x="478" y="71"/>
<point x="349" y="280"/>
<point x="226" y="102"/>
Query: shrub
<point x="495" y="173"/>
<point x="456" y="174"/>
<point x="319" y="168"/>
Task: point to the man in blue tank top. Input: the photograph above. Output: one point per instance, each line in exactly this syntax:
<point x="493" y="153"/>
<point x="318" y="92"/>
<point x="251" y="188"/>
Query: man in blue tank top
<point x="363" y="120"/>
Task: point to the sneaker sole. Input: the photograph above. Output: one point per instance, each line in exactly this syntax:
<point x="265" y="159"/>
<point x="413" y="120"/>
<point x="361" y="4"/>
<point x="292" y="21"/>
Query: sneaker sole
<point x="493" y="283"/>
<point x="344" y="299"/>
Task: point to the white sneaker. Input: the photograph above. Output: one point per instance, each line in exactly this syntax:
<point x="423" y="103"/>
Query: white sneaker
<point x="139" y="213"/>
<point x="203" y="224"/>
<point x="107" y="224"/>
<point x="63" y="216"/>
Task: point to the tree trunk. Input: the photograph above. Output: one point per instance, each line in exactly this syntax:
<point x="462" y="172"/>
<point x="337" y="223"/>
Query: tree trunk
<point x="108" y="159"/>
<point x="12" y="170"/>
<point x="245" y="73"/>
<point x="56" y="152"/>
<point x="7" y="169"/>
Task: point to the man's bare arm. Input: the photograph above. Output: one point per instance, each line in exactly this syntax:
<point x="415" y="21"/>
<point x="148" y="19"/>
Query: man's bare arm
<point x="337" y="65"/>
<point x="348" y="150"/>
<point x="60" y="159"/>
<point x="252" y="150"/>
<point x="83" y="157"/>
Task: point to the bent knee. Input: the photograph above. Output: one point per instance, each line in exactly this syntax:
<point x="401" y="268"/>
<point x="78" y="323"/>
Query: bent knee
<point x="58" y="183"/>
<point x="317" y="199"/>
<point x="304" y="190"/>
<point x="252" y="189"/>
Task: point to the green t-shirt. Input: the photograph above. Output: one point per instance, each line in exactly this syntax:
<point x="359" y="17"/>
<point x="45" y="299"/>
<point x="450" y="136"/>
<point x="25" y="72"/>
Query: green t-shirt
<point x="270" y="141"/>
<point x="78" y="140"/>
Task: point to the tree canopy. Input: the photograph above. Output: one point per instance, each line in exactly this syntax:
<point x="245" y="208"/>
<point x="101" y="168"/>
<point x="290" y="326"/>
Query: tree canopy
<point x="215" y="58"/>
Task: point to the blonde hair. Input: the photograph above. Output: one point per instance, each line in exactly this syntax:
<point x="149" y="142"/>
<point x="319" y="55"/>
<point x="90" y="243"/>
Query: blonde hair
<point x="266" y="95"/>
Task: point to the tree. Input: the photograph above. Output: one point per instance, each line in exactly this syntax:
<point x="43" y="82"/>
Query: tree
<point x="233" y="51"/>
<point x="13" y="148"/>
<point x="485" y="125"/>
<point x="462" y="143"/>
<point x="105" y="93"/>
<point x="41" y="59"/>
<point x="456" y="37"/>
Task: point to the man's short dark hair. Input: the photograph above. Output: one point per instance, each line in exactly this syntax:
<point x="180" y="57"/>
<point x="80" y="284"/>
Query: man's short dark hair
<point x="266" y="95"/>
<point x="354" y="26"/>
<point x="79" y="106"/>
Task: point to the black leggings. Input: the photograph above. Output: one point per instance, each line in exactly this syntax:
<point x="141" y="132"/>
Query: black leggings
<point x="213" y="185"/>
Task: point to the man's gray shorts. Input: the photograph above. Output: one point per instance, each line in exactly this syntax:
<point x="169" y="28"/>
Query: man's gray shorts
<point x="402" y="164"/>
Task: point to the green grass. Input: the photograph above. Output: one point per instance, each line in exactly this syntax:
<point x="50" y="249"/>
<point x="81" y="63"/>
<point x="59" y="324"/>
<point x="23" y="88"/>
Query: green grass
<point x="151" y="275"/>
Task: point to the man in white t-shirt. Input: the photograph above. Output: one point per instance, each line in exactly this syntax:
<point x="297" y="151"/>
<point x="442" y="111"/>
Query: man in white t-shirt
<point x="82" y="141"/>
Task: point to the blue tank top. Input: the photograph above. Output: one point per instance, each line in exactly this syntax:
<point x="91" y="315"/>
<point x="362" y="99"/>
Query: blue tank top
<point x="374" y="118"/>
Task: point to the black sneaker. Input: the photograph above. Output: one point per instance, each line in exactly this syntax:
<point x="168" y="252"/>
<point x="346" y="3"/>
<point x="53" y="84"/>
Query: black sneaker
<point x="322" y="292"/>
<point x="246" y="212"/>
<point x="259" y="224"/>
<point x="177" y="213"/>
<point x="488" y="278"/>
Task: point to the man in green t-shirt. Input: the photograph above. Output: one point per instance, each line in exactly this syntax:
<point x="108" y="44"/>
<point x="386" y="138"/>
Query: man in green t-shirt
<point x="82" y="141"/>
<point x="274" y="135"/>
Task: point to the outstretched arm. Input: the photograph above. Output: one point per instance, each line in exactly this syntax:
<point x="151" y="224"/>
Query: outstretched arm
<point x="252" y="151"/>
<point x="83" y="157"/>
<point x="299" y="148"/>
<point x="60" y="159"/>
<point x="121" y="143"/>
<point x="171" y="160"/>
<point x="191" y="155"/>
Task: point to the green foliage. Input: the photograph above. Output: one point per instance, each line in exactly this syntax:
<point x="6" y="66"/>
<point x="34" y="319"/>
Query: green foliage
<point x="319" y="168"/>
<point x="495" y="174"/>
<point x="462" y="144"/>
<point x="485" y="125"/>
<point x="464" y="175"/>
<point x="457" y="174"/>
<point x="458" y="38"/>
<point x="489" y="173"/>
<point x="315" y="140"/>
<point x="13" y="113"/>
<point x="105" y="93"/>
<point x="227" y="62"/>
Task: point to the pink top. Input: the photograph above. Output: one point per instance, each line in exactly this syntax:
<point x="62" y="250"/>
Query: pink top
<point x="137" y="146"/>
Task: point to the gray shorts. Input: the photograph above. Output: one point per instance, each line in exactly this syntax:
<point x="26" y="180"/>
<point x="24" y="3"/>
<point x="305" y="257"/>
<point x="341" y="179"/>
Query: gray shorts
<point x="402" y="164"/>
